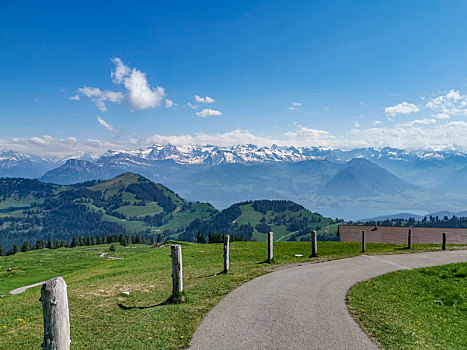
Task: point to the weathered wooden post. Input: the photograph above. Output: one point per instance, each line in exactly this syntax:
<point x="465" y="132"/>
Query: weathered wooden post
<point x="270" y="246"/>
<point x="409" y="243"/>
<point x="226" y="254"/>
<point x="363" y="242"/>
<point x="444" y="241"/>
<point x="177" y="273"/>
<point x="56" y="315"/>
<point x="314" y="244"/>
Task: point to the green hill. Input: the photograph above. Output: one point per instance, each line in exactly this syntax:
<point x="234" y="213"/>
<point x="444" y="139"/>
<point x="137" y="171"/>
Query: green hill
<point x="131" y="204"/>
<point x="252" y="220"/>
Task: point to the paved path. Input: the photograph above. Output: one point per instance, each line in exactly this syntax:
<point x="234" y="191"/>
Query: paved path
<point x="303" y="307"/>
<point x="22" y="289"/>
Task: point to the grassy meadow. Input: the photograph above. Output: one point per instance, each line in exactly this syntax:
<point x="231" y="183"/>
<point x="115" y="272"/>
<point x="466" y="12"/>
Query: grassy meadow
<point x="416" y="309"/>
<point x="103" y="319"/>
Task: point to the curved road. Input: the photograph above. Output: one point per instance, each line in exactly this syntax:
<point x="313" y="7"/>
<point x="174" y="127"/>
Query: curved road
<point x="303" y="307"/>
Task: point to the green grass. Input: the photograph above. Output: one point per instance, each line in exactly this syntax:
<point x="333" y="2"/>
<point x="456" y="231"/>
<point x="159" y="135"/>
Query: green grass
<point x="417" y="309"/>
<point x="150" y="208"/>
<point x="95" y="285"/>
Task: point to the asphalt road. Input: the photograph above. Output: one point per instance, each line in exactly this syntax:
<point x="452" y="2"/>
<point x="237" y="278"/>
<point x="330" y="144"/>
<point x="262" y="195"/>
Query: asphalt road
<point x="303" y="307"/>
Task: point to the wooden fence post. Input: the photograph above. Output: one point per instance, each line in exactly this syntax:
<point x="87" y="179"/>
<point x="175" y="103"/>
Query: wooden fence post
<point x="270" y="246"/>
<point x="409" y="243"/>
<point x="177" y="273"/>
<point x="444" y="241"/>
<point x="363" y="242"/>
<point x="226" y="254"/>
<point x="56" y="315"/>
<point x="314" y="244"/>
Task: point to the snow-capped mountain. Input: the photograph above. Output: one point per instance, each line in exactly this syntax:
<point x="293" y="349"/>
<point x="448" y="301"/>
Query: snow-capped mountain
<point x="316" y="176"/>
<point x="214" y="155"/>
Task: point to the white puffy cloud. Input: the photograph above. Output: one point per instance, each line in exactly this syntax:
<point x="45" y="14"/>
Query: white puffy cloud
<point x="169" y="103"/>
<point x="99" y="97"/>
<point x="192" y="106"/>
<point x="293" y="109"/>
<point x="424" y="135"/>
<point x="401" y="108"/>
<point x="208" y="112"/>
<point x="49" y="146"/>
<point x="206" y="99"/>
<point x="121" y="71"/>
<point x="297" y="104"/>
<point x="376" y="122"/>
<point x="105" y="124"/>
<point x="424" y="121"/>
<point x="74" y="98"/>
<point x="450" y="104"/>
<point x="442" y="116"/>
<point x="140" y="95"/>
<point x="308" y="136"/>
<point x="230" y="138"/>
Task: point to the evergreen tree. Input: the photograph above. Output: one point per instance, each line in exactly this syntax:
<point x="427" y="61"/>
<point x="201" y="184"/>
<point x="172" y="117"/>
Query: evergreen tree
<point x="26" y="247"/>
<point x="16" y="248"/>
<point x="2" y="251"/>
<point x="200" y="238"/>
<point x="50" y="244"/>
<point x="74" y="242"/>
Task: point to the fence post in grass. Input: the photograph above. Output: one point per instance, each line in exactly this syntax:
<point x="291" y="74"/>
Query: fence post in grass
<point x="226" y="254"/>
<point x="409" y="243"/>
<point x="56" y="315"/>
<point x="363" y="242"/>
<point x="270" y="246"/>
<point x="444" y="241"/>
<point x="314" y="244"/>
<point x="177" y="273"/>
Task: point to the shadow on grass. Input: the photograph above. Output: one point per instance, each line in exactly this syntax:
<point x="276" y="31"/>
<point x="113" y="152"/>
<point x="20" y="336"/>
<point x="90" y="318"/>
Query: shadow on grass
<point x="173" y="300"/>
<point x="267" y="262"/>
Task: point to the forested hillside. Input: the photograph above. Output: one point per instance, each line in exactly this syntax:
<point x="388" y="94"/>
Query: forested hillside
<point x="131" y="204"/>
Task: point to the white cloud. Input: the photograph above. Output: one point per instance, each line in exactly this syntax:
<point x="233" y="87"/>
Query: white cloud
<point x="450" y="104"/>
<point x="442" y="116"/>
<point x="192" y="106"/>
<point x="74" y="98"/>
<point x="401" y="108"/>
<point x="206" y="99"/>
<point x="425" y="135"/>
<point x="140" y="95"/>
<point x="424" y="121"/>
<point x="208" y="112"/>
<point x="311" y="137"/>
<point x="294" y="106"/>
<point x="99" y="97"/>
<point x="364" y="104"/>
<point x="356" y="124"/>
<point x="105" y="124"/>
<point x="169" y="103"/>
<point x="376" y="122"/>
<point x="230" y="138"/>
<point x="121" y="71"/>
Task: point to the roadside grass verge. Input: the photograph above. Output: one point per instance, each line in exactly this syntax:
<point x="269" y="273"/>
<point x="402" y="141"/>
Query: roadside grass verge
<point x="416" y="309"/>
<point x="103" y="319"/>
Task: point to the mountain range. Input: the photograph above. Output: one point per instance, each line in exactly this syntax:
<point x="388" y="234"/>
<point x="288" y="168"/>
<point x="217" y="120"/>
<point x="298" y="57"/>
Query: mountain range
<point x="319" y="178"/>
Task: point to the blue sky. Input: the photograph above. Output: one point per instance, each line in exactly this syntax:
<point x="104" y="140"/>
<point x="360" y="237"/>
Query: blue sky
<point x="311" y="73"/>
